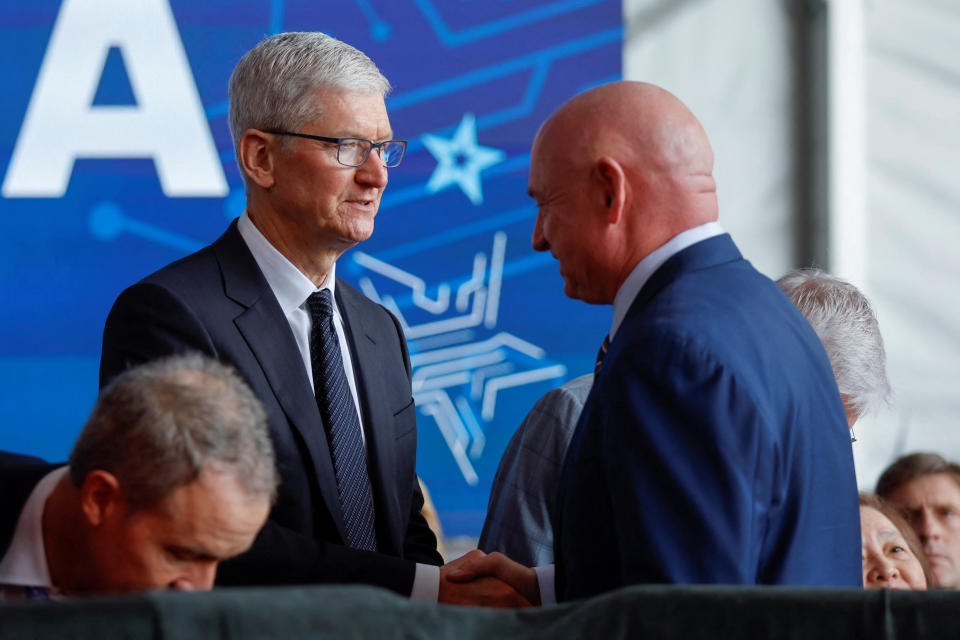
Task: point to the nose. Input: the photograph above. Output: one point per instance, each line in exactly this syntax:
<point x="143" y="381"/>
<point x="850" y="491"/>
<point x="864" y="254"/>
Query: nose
<point x="927" y="526"/>
<point x="882" y="574"/>
<point x="197" y="578"/>
<point x="372" y="172"/>
<point x="539" y="241"/>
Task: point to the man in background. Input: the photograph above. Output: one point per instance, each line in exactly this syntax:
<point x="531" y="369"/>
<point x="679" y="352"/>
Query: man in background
<point x="172" y="474"/>
<point x="926" y="489"/>
<point x="847" y="326"/>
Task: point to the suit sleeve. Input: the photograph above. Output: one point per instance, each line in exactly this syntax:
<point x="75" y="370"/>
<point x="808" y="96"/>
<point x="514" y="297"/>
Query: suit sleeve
<point x="148" y="322"/>
<point x="419" y="542"/>
<point x="680" y="441"/>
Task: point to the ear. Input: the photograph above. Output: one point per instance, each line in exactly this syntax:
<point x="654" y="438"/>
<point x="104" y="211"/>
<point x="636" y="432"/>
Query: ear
<point x="612" y="182"/>
<point x="256" y="155"/>
<point x="100" y="496"/>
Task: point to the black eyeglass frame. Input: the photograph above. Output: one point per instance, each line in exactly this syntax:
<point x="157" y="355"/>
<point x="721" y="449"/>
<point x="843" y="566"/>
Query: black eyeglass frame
<point x="371" y="146"/>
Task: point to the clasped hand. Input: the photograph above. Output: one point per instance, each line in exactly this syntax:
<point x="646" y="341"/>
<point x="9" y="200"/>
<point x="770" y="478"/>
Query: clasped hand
<point x="492" y="580"/>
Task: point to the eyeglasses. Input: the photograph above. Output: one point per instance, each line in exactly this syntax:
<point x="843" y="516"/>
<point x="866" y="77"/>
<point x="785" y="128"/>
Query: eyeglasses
<point x="353" y="152"/>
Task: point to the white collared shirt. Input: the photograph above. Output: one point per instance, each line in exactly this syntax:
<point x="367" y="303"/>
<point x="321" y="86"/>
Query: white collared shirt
<point x="292" y="289"/>
<point x="25" y="563"/>
<point x="648" y="266"/>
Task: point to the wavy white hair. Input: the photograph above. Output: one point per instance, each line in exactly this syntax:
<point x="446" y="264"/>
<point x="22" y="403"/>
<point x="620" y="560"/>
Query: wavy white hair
<point x="847" y="326"/>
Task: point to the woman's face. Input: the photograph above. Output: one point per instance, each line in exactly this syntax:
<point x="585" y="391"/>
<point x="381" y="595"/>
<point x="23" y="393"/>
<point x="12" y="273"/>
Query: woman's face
<point x="888" y="563"/>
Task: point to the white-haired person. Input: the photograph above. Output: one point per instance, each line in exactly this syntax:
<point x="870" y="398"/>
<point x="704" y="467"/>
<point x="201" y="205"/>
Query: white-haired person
<point x="847" y="326"/>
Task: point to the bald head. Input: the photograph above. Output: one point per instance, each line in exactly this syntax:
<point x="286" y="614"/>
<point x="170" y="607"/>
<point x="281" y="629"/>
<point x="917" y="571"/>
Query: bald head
<point x="636" y="166"/>
<point x="642" y="124"/>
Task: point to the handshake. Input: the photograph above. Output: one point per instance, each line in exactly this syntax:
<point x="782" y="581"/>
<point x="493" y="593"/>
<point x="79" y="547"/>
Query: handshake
<point x="492" y="580"/>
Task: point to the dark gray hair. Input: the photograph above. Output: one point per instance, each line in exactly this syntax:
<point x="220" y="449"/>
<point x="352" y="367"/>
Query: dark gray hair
<point x="157" y="426"/>
<point x="275" y="83"/>
<point x="847" y="326"/>
<point x="910" y="467"/>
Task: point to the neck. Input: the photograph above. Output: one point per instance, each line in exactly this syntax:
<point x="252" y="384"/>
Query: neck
<point x="65" y="538"/>
<point x="313" y="256"/>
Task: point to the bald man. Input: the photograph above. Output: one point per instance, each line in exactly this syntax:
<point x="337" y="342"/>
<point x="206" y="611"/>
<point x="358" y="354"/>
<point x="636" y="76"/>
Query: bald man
<point x="713" y="446"/>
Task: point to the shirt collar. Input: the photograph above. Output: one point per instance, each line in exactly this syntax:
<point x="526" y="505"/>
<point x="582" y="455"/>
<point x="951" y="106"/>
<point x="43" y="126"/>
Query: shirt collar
<point x="647" y="267"/>
<point x="25" y="562"/>
<point x="288" y="283"/>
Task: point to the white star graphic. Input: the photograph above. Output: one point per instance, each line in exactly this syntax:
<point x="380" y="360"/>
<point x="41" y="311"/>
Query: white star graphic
<point x="460" y="159"/>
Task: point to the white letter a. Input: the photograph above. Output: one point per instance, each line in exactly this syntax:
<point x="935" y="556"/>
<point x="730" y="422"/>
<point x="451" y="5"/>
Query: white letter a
<point x="167" y="123"/>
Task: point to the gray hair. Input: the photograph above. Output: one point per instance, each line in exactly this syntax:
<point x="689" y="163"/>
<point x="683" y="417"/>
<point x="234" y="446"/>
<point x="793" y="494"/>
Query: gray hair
<point x="847" y="326"/>
<point x="157" y="426"/>
<point x="273" y="85"/>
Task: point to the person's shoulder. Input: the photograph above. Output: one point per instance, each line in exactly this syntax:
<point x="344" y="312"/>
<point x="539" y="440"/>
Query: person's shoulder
<point x="10" y="460"/>
<point x="572" y="392"/>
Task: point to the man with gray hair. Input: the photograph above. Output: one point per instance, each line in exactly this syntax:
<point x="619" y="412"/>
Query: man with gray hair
<point x="173" y="473"/>
<point x="313" y="144"/>
<point x="845" y="322"/>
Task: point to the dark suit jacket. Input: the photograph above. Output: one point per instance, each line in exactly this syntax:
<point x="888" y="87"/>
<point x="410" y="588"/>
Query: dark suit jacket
<point x="18" y="476"/>
<point x="217" y="301"/>
<point x="713" y="447"/>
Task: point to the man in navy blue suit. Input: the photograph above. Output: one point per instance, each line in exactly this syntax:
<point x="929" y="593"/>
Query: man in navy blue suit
<point x="713" y="446"/>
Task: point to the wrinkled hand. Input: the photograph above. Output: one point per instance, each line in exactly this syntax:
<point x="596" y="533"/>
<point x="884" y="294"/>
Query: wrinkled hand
<point x="476" y="566"/>
<point x="463" y="582"/>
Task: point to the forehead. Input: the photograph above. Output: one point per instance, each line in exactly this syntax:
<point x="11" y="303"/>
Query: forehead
<point x="214" y="511"/>
<point x="875" y="524"/>
<point x="351" y="113"/>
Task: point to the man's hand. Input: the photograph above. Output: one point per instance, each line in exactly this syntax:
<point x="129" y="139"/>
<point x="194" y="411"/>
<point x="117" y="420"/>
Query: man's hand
<point x="476" y="587"/>
<point x="475" y="567"/>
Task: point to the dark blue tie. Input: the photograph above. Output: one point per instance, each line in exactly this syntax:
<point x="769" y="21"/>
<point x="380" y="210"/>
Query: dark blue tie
<point x="36" y="593"/>
<point x="339" y="415"/>
<point x="601" y="354"/>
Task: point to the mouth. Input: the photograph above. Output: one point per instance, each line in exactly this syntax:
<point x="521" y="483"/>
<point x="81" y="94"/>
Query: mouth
<point x="362" y="203"/>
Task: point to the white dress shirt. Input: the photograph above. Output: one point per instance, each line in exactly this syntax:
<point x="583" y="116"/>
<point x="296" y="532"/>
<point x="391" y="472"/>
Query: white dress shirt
<point x="25" y="563"/>
<point x="292" y="288"/>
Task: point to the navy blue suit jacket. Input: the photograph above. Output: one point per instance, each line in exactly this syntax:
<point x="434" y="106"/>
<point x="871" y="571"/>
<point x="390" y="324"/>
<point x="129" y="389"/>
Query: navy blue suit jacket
<point x="217" y="301"/>
<point x="713" y="447"/>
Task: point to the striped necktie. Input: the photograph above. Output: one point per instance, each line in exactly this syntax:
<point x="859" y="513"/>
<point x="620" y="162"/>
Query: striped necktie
<point x="339" y="414"/>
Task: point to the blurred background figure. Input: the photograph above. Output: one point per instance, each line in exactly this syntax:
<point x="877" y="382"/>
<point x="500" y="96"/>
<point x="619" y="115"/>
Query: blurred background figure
<point x="173" y="473"/>
<point x="926" y="489"/>
<point x="893" y="557"/>
<point x="847" y="326"/>
<point x="520" y="513"/>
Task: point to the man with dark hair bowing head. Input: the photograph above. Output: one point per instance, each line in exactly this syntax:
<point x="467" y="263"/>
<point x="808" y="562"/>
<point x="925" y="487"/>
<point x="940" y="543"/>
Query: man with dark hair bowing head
<point x="713" y="446"/>
<point x="173" y="473"/>
<point x="314" y="145"/>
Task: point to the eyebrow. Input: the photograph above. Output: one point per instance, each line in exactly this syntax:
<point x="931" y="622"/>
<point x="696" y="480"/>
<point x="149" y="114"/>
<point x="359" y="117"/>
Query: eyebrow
<point x="195" y="553"/>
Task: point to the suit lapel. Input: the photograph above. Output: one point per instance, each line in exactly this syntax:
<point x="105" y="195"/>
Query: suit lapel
<point x="266" y="331"/>
<point x="377" y="416"/>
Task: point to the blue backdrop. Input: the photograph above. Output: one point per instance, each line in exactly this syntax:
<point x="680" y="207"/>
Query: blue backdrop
<point x="116" y="159"/>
